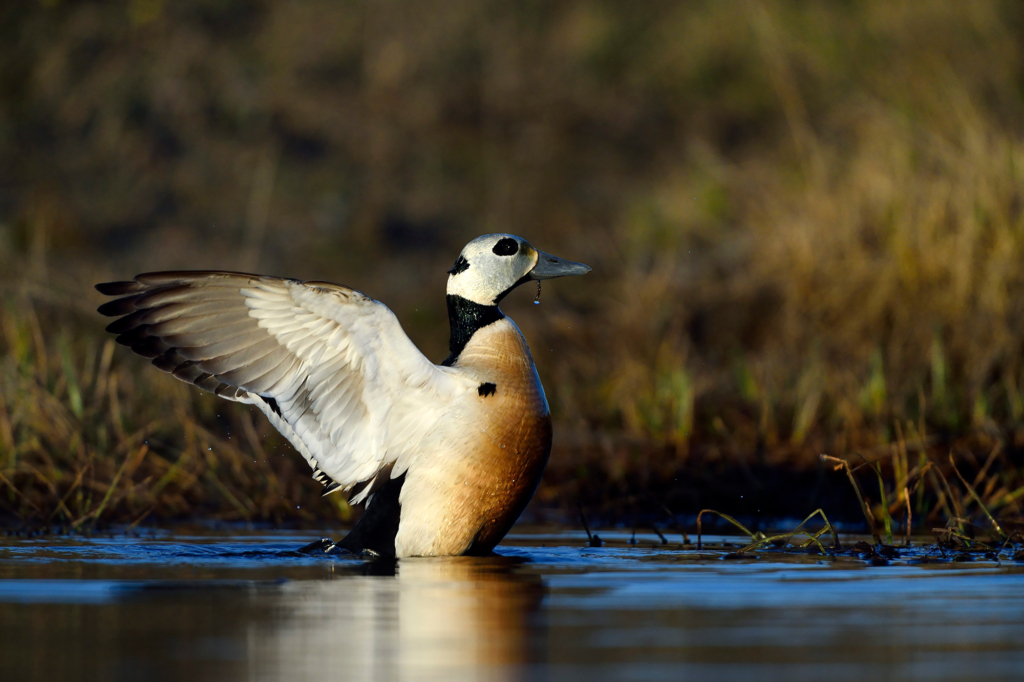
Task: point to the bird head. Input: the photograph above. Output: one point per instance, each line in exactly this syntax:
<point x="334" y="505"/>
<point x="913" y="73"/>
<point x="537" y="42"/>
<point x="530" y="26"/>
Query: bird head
<point x="491" y="266"/>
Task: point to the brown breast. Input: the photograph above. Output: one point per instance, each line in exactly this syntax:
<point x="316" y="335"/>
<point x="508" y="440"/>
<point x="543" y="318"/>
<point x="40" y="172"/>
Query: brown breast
<point x="503" y="469"/>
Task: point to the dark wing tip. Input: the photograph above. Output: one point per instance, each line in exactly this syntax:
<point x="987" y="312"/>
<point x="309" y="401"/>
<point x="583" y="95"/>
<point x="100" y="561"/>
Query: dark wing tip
<point x="119" y="288"/>
<point x="148" y="347"/>
<point x="126" y="323"/>
<point x="118" y="307"/>
<point x="168" y="361"/>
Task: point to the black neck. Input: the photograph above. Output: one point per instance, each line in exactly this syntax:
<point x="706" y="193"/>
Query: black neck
<point x="465" y="318"/>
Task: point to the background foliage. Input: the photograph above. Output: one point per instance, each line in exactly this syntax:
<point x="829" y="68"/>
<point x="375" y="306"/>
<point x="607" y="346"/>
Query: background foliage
<point x="805" y="221"/>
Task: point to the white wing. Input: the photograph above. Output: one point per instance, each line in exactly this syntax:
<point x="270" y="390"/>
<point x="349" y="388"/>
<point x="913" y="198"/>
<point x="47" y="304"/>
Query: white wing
<point x="330" y="367"/>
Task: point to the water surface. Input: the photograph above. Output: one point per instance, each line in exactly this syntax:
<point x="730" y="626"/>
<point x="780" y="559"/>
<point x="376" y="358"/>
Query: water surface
<point x="246" y="606"/>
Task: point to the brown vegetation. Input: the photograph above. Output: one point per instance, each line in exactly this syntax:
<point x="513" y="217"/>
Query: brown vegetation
<point x="806" y="223"/>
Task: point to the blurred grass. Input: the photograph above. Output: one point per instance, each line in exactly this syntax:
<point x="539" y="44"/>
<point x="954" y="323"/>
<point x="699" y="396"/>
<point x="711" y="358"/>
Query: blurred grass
<point x="806" y="222"/>
<point x="82" y="441"/>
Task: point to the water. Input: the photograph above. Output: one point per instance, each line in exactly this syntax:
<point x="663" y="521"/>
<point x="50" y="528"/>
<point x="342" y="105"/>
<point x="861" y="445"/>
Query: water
<point x="248" y="607"/>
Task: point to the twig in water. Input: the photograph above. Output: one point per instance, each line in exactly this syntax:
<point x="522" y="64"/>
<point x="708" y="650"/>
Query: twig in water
<point x="812" y="537"/>
<point x="968" y="542"/>
<point x="671" y="515"/>
<point x="938" y="533"/>
<point x="843" y="464"/>
<point x="974" y="495"/>
<point x="724" y="516"/>
<point x="664" y="540"/>
<point x="957" y="511"/>
<point x="632" y="509"/>
<point x="592" y="538"/>
<point x="906" y="496"/>
<point x="886" y="518"/>
<point x="1009" y="541"/>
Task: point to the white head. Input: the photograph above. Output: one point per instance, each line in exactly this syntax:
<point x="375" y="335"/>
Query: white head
<point x="494" y="264"/>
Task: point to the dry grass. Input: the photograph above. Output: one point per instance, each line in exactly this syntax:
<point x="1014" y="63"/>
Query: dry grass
<point x="806" y="222"/>
<point x="84" y="442"/>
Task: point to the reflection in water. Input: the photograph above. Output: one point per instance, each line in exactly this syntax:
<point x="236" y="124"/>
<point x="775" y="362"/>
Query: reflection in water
<point x="228" y="609"/>
<point x="451" y="618"/>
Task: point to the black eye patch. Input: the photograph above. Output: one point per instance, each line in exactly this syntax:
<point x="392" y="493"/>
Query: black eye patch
<point x="506" y="246"/>
<point x="461" y="265"/>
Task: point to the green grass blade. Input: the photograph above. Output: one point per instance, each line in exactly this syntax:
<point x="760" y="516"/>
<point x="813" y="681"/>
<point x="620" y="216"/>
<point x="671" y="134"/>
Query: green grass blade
<point x="868" y="516"/>
<point x="977" y="499"/>
<point x="70" y="379"/>
<point x="724" y="516"/>
<point x="885" y="507"/>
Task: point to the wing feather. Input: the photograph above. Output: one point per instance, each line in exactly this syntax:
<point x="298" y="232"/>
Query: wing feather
<point x="331" y="368"/>
<point x="222" y="324"/>
<point x="185" y="310"/>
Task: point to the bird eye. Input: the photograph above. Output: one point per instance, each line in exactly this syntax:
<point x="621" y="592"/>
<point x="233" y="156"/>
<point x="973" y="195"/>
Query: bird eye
<point x="506" y="246"/>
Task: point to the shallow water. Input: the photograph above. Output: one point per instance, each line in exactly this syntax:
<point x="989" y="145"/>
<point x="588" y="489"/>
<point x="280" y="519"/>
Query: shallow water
<point x="247" y="606"/>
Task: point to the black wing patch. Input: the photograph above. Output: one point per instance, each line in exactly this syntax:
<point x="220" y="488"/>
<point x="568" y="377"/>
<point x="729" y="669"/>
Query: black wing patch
<point x="487" y="388"/>
<point x="274" y="407"/>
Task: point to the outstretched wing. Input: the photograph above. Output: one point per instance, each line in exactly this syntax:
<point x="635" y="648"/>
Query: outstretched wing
<point x="330" y="367"/>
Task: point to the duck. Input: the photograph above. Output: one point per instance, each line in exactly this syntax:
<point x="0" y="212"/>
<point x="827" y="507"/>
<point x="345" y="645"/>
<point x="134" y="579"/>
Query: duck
<point x="444" y="457"/>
